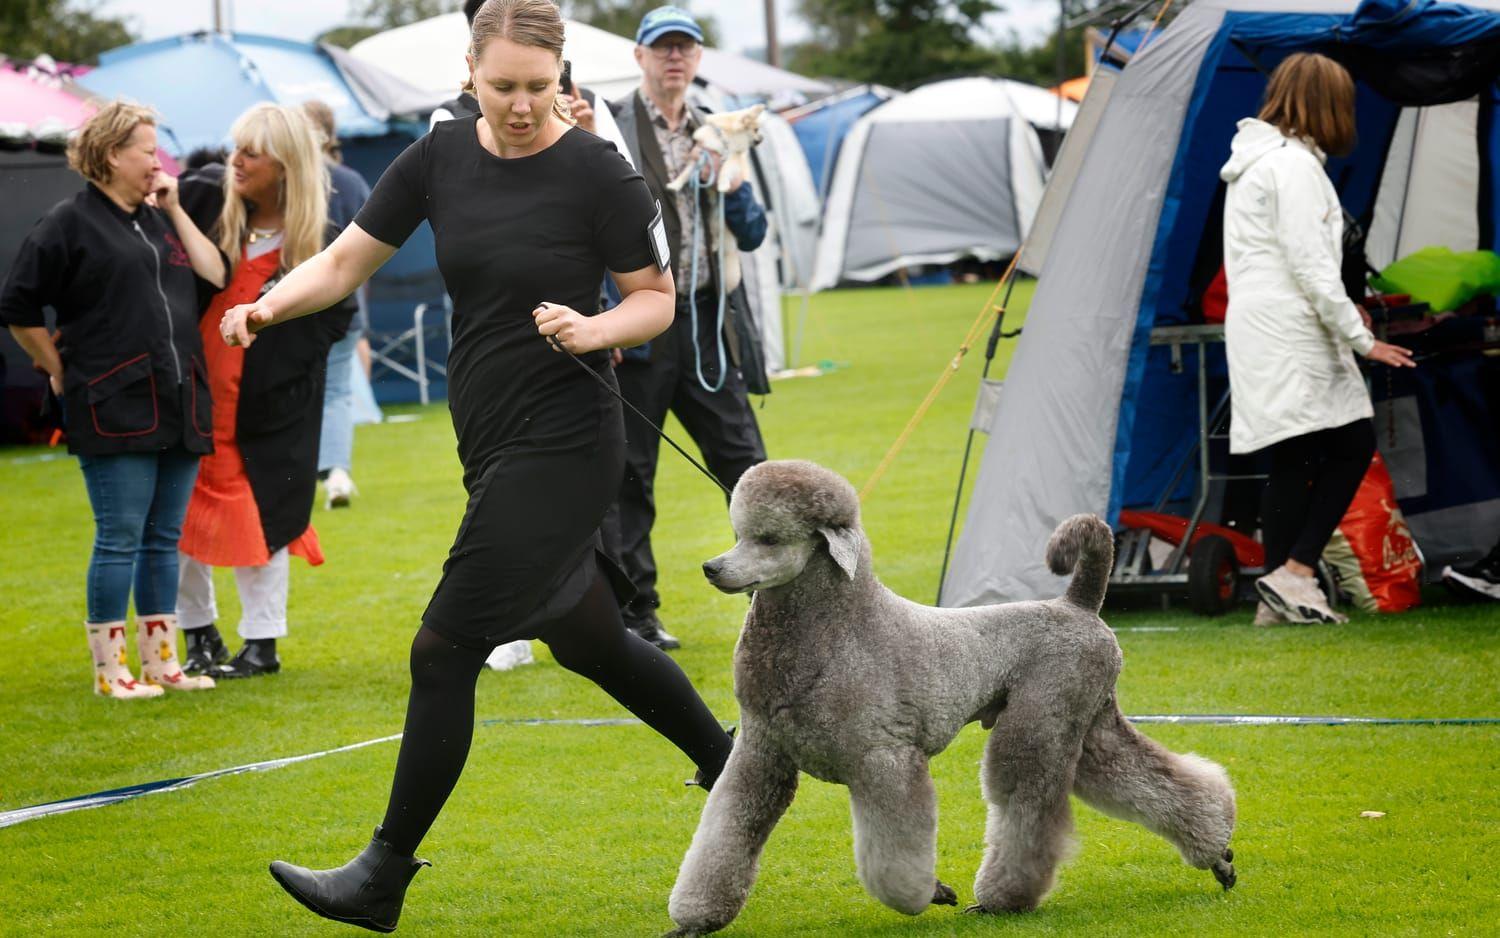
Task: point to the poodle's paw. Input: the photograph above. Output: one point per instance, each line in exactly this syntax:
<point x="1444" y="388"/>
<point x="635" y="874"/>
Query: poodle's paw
<point x="683" y="932"/>
<point x="1223" y="870"/>
<point x="944" y="894"/>
<point x="980" y="908"/>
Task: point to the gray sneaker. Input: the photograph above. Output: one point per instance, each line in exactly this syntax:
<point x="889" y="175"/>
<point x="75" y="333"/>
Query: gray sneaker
<point x="1266" y="616"/>
<point x="1296" y="598"/>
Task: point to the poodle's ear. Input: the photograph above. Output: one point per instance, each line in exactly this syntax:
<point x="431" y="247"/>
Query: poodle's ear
<point x="843" y="547"/>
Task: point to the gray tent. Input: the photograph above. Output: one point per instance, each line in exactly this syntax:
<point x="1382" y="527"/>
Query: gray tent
<point x="953" y="169"/>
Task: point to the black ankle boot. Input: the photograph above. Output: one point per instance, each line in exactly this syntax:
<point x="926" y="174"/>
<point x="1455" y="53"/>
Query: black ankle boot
<point x="256" y="657"/>
<point x="367" y="891"/>
<point x="205" y="649"/>
<point x="704" y="779"/>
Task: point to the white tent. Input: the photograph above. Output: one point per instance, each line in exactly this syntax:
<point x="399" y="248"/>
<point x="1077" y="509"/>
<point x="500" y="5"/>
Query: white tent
<point x="430" y="55"/>
<point x="953" y="169"/>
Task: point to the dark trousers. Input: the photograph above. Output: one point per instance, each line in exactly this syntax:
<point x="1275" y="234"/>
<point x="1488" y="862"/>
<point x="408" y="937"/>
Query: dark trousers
<point x="721" y="423"/>
<point x="1312" y="481"/>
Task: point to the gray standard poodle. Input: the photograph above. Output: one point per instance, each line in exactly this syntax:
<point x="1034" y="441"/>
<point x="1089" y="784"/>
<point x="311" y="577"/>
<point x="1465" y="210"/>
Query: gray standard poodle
<point x="840" y="678"/>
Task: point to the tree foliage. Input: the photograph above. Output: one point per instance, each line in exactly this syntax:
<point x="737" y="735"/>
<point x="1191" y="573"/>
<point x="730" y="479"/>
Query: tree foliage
<point x="376" y="16"/>
<point x="621" y="17"/>
<point x="1037" y="62"/>
<point x="893" y="42"/>
<point x="67" y="30"/>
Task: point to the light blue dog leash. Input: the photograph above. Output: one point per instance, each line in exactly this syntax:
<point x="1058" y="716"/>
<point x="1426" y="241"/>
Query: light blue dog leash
<point x="699" y="184"/>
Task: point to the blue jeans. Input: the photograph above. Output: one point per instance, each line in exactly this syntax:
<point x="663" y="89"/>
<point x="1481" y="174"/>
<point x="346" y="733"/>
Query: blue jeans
<point x="336" y="446"/>
<point x="139" y="500"/>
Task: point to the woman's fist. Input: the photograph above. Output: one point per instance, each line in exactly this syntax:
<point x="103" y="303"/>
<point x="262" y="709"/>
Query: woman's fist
<point x="240" y="323"/>
<point x="565" y="328"/>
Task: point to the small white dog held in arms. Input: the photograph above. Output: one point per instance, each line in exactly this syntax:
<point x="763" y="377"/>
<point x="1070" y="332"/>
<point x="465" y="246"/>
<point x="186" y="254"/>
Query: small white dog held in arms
<point x="838" y="677"/>
<point x="731" y="136"/>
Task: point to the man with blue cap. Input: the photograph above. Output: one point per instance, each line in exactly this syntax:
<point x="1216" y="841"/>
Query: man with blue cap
<point x="680" y="370"/>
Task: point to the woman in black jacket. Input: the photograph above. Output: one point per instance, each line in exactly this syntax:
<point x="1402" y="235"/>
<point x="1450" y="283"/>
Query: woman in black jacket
<point x="117" y="263"/>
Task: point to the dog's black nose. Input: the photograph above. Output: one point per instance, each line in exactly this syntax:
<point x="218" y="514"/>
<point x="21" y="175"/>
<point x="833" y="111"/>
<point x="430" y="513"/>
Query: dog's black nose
<point x="711" y="568"/>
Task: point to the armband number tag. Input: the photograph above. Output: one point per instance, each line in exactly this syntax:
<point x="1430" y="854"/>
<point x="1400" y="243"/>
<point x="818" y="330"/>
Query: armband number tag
<point x="656" y="234"/>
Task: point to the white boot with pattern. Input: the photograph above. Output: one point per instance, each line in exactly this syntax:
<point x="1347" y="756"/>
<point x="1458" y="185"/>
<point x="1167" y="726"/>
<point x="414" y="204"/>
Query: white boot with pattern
<point x="156" y="637"/>
<point x="112" y="677"/>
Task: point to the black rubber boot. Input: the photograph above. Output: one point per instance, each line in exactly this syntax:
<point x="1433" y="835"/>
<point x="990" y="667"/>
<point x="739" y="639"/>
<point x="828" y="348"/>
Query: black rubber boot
<point x="205" y="650"/>
<point x="367" y="891"/>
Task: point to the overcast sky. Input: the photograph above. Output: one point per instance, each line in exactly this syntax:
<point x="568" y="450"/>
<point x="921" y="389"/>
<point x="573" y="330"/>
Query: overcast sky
<point x="741" y="22"/>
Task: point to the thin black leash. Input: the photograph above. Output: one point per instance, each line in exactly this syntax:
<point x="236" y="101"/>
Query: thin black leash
<point x="621" y="398"/>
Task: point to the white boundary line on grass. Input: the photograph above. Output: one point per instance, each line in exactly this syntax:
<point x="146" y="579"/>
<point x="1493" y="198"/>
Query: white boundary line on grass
<point x="40" y="457"/>
<point x="117" y="795"/>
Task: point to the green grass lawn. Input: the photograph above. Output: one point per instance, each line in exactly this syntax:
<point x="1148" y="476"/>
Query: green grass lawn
<point x="571" y="830"/>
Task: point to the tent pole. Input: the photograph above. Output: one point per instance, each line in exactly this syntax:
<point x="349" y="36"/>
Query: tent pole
<point x="773" y="48"/>
<point x="989" y="357"/>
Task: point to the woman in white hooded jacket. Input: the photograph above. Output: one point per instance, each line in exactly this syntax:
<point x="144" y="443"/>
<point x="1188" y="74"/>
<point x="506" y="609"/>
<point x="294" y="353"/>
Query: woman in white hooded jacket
<point x="1291" y="331"/>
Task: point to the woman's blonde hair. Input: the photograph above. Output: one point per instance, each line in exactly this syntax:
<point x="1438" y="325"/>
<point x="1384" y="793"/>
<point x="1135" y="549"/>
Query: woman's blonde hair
<point x="536" y="23"/>
<point x="286" y="136"/>
<point x="108" y="129"/>
<point x="1311" y="95"/>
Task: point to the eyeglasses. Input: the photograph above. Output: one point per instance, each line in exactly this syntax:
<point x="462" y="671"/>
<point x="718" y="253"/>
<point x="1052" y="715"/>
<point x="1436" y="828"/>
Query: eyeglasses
<point x="665" y="48"/>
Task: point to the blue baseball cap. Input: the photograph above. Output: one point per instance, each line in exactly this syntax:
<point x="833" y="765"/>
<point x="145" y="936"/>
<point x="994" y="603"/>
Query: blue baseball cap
<point x="663" y="20"/>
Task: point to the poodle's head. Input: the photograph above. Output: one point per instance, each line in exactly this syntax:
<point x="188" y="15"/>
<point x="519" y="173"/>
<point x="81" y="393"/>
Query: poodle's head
<point x="783" y="513"/>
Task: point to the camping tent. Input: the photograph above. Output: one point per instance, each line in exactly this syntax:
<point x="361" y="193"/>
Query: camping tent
<point x="1092" y="417"/>
<point x="35" y="117"/>
<point x="378" y="115"/>
<point x="823" y="124"/>
<point x="953" y="169"/>
<point x="202" y="81"/>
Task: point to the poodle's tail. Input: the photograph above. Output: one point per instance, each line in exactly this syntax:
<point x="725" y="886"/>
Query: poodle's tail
<point x="1083" y="545"/>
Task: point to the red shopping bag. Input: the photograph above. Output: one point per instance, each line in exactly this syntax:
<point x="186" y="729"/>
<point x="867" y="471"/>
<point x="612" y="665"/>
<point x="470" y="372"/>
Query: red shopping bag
<point x="1372" y="553"/>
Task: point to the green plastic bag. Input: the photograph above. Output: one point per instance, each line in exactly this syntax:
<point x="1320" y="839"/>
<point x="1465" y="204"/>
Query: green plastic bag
<point x="1442" y="278"/>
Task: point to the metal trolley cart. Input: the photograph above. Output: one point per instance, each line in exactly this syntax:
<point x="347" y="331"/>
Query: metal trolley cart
<point x="1209" y="563"/>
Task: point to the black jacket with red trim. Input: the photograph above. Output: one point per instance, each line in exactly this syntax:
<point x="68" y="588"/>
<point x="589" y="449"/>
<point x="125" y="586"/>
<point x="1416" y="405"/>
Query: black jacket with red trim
<point x="127" y="310"/>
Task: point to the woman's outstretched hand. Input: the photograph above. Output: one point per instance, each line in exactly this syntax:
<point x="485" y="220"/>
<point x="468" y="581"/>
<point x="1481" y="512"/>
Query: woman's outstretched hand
<point x="566" y="328"/>
<point x="1393" y="355"/>
<point x="240" y="323"/>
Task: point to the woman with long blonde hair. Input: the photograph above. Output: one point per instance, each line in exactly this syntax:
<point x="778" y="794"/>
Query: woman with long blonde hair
<point x="254" y="495"/>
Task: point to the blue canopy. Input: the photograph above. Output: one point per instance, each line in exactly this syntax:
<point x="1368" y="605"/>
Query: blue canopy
<point x="201" y="82"/>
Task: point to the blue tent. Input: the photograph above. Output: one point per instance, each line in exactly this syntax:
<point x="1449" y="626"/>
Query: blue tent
<point x="1095" y="416"/>
<point x="822" y="125"/>
<point x="201" y="82"/>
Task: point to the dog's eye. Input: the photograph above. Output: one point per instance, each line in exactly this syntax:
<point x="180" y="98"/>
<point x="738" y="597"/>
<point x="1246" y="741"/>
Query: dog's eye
<point x="765" y="540"/>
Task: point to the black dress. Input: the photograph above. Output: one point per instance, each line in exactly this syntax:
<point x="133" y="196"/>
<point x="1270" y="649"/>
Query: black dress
<point x="541" y="441"/>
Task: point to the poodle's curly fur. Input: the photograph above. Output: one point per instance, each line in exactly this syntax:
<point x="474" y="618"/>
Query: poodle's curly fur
<point x="840" y="678"/>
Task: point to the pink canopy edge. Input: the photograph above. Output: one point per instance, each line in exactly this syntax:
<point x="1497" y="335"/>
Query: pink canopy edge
<point x="27" y="101"/>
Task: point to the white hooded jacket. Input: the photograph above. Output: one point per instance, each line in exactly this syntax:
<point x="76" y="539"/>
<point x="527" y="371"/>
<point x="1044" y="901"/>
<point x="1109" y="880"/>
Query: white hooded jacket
<point x="1290" y="327"/>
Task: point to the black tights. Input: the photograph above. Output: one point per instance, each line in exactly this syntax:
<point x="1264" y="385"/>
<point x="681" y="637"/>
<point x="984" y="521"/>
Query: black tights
<point x="591" y="640"/>
<point x="1313" y="480"/>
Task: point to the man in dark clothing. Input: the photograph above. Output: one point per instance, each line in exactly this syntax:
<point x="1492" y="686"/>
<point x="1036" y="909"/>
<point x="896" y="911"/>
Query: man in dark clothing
<point x="694" y="368"/>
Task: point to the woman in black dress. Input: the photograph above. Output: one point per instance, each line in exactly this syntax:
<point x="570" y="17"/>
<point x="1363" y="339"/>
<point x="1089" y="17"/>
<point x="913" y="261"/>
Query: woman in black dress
<point x="528" y="212"/>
